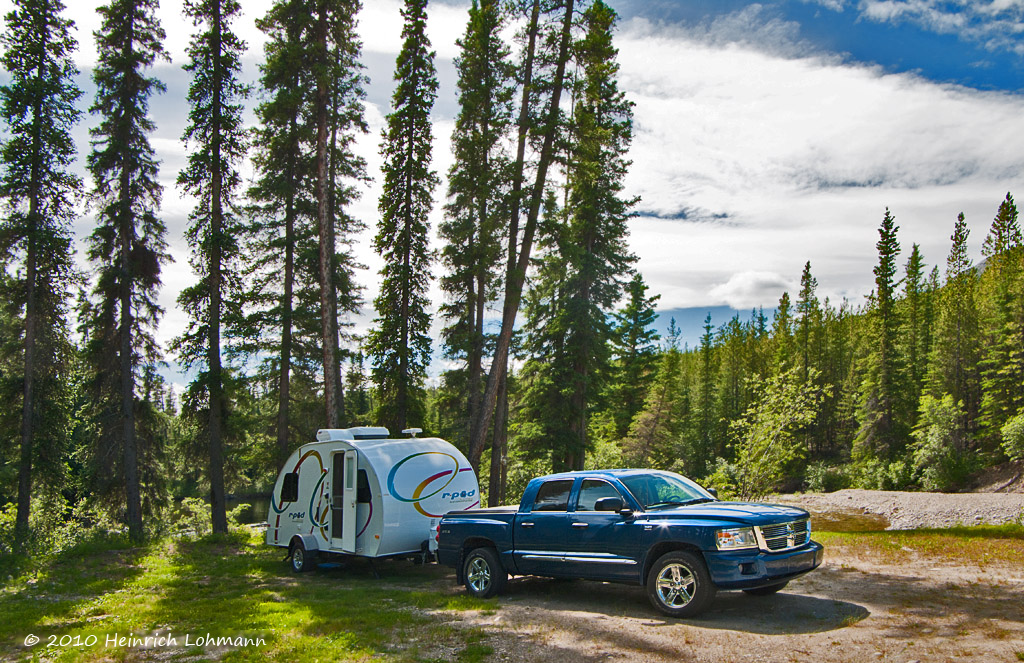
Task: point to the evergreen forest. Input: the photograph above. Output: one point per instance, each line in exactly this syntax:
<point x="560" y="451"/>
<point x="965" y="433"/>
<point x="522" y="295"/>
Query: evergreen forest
<point x="547" y="358"/>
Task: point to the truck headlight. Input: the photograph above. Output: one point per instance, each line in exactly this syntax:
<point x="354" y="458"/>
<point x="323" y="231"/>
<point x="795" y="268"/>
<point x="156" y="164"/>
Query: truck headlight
<point x="735" y="538"/>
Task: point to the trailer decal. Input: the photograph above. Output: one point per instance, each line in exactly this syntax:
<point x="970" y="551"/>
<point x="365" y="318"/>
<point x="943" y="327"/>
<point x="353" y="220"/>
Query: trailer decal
<point x="273" y="501"/>
<point x="369" y="517"/>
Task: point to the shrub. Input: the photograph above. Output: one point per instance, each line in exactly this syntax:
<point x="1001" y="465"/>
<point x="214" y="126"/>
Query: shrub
<point x="822" y="478"/>
<point x="939" y="456"/>
<point x="1013" y="437"/>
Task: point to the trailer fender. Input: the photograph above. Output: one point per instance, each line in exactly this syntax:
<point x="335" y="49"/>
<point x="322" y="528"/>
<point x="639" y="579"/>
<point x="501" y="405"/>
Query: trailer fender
<point x="308" y="542"/>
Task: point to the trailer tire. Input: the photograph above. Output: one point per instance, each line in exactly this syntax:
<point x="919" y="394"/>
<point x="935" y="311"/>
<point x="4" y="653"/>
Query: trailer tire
<point x="302" y="560"/>
<point x="484" y="575"/>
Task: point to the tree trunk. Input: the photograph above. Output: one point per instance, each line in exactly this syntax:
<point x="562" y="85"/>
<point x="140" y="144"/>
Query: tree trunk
<point x="284" y="383"/>
<point x="21" y="522"/>
<point x="218" y="506"/>
<point x="333" y="214"/>
<point x="133" y="496"/>
<point x="517" y="275"/>
<point x="329" y="328"/>
<point x="499" y="449"/>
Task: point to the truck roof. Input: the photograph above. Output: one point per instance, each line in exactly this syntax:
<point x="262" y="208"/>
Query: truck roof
<point x="617" y="473"/>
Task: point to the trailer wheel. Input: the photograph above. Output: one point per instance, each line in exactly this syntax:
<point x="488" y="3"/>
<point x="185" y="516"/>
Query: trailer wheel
<point x="484" y="574"/>
<point x="302" y="559"/>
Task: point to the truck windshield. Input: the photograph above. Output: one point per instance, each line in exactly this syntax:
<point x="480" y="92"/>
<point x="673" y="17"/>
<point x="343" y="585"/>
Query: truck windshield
<point x="665" y="490"/>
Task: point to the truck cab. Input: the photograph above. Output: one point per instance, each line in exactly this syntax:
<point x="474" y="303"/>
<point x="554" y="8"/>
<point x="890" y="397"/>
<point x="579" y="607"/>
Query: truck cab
<point x="646" y="527"/>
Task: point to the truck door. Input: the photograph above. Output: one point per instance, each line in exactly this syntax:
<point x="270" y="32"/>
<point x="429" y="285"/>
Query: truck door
<point x="602" y="544"/>
<point x="343" y="501"/>
<point x="540" y="534"/>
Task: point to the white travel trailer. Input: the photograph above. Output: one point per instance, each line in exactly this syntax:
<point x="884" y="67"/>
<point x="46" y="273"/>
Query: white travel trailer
<point x="358" y="491"/>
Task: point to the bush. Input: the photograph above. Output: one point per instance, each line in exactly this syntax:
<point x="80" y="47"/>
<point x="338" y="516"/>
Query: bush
<point x="1013" y="437"/>
<point x="939" y="456"/>
<point x="723" y="479"/>
<point x="822" y="478"/>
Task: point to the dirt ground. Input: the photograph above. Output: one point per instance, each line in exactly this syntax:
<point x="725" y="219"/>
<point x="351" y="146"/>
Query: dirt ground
<point x="913" y="605"/>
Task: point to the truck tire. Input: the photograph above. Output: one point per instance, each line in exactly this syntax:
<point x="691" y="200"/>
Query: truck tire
<point x="679" y="584"/>
<point x="301" y="559"/>
<point x="484" y="574"/>
<point x="766" y="591"/>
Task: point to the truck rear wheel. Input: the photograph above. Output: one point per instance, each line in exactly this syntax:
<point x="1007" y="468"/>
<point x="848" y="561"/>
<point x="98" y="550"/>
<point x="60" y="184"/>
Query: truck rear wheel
<point x="679" y="584"/>
<point x="484" y="574"/>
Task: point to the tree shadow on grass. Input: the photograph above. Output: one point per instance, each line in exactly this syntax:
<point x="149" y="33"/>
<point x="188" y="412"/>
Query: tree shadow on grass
<point x="60" y="596"/>
<point x="232" y="588"/>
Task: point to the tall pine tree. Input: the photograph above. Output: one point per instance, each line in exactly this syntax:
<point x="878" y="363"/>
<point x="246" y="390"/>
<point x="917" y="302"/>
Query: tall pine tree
<point x="400" y="343"/>
<point x="127" y="247"/>
<point x="884" y="430"/>
<point x="1002" y="365"/>
<point x="478" y="190"/>
<point x="634" y="342"/>
<point x="38" y="106"/>
<point x="217" y="133"/>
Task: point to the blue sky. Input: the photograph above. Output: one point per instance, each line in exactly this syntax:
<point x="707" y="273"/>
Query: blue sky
<point x="766" y="135"/>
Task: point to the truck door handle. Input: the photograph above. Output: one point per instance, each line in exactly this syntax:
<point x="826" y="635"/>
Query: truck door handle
<point x="580" y="525"/>
<point x="526" y="524"/>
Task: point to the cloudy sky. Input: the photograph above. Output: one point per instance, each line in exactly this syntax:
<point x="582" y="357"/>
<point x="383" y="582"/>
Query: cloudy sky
<point x="766" y="135"/>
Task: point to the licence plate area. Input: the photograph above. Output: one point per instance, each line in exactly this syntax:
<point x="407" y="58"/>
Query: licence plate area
<point x="795" y="563"/>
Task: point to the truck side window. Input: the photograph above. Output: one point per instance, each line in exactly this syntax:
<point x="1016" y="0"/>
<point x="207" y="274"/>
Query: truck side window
<point x="362" y="488"/>
<point x="290" y="488"/>
<point x="593" y="490"/>
<point x="553" y="496"/>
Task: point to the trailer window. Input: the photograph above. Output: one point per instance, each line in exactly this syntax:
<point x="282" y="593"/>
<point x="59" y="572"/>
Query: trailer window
<point x="290" y="488"/>
<point x="363" y="488"/>
<point x="553" y="496"/>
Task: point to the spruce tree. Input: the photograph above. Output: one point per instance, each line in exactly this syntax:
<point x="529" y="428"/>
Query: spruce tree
<point x="542" y="124"/>
<point x="1002" y="364"/>
<point x="478" y="189"/>
<point x="808" y="321"/>
<point x="217" y="133"/>
<point x="884" y="431"/>
<point x="39" y="192"/>
<point x="594" y="244"/>
<point x="913" y="336"/>
<point x="655" y="431"/>
<point x="953" y="365"/>
<point x="399" y="343"/>
<point x="284" y="325"/>
<point x="782" y="334"/>
<point x="634" y="342"/>
<point x="127" y="246"/>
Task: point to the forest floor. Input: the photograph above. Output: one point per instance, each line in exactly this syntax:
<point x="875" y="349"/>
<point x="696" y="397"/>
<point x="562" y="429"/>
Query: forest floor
<point x="951" y="594"/>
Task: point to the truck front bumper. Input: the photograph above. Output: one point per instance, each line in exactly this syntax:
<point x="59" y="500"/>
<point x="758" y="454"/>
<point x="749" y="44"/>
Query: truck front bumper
<point x="749" y="569"/>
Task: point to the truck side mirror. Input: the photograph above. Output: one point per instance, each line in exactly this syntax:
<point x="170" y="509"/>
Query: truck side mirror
<point x="608" y="504"/>
<point x="713" y="491"/>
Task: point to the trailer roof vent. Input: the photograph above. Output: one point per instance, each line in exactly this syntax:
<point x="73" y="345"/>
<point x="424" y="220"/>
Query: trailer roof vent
<point x="412" y="432"/>
<point x="357" y="433"/>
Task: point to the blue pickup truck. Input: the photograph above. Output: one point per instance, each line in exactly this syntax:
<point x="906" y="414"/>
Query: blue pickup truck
<point x="645" y="527"/>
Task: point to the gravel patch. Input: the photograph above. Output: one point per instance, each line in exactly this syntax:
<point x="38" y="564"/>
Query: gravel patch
<point x="905" y="510"/>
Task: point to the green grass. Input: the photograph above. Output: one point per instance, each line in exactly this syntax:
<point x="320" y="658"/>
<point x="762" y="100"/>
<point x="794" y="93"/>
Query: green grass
<point x="233" y="587"/>
<point x="979" y="545"/>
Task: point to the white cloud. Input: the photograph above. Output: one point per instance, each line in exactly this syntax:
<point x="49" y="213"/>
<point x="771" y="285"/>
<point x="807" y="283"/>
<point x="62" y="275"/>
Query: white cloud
<point x="771" y="160"/>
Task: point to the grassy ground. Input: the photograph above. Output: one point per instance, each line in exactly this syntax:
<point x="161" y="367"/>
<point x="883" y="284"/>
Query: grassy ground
<point x="232" y="587"/>
<point x="236" y="587"/>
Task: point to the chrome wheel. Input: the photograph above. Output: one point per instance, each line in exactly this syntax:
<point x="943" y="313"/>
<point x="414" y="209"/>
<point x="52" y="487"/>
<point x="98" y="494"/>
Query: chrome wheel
<point x="483" y="573"/>
<point x="299" y="558"/>
<point x="675" y="585"/>
<point x="478" y="575"/>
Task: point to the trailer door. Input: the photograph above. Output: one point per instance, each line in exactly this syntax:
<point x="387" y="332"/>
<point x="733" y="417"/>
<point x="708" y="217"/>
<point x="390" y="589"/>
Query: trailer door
<point x="343" y="501"/>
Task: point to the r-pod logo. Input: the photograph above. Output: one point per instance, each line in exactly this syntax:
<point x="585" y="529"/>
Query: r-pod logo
<point x="457" y="495"/>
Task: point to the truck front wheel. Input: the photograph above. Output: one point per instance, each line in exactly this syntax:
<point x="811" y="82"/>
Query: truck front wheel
<point x="679" y="584"/>
<point x="484" y="574"/>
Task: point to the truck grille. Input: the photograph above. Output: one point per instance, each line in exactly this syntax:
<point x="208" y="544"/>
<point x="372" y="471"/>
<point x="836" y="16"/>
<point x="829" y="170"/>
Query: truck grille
<point x="784" y="536"/>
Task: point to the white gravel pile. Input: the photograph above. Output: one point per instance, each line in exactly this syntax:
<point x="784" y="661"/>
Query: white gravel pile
<point x="906" y="510"/>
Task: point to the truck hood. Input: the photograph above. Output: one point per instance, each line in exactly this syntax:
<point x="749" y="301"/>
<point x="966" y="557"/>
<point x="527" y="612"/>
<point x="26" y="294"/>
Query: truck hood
<point x="741" y="512"/>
